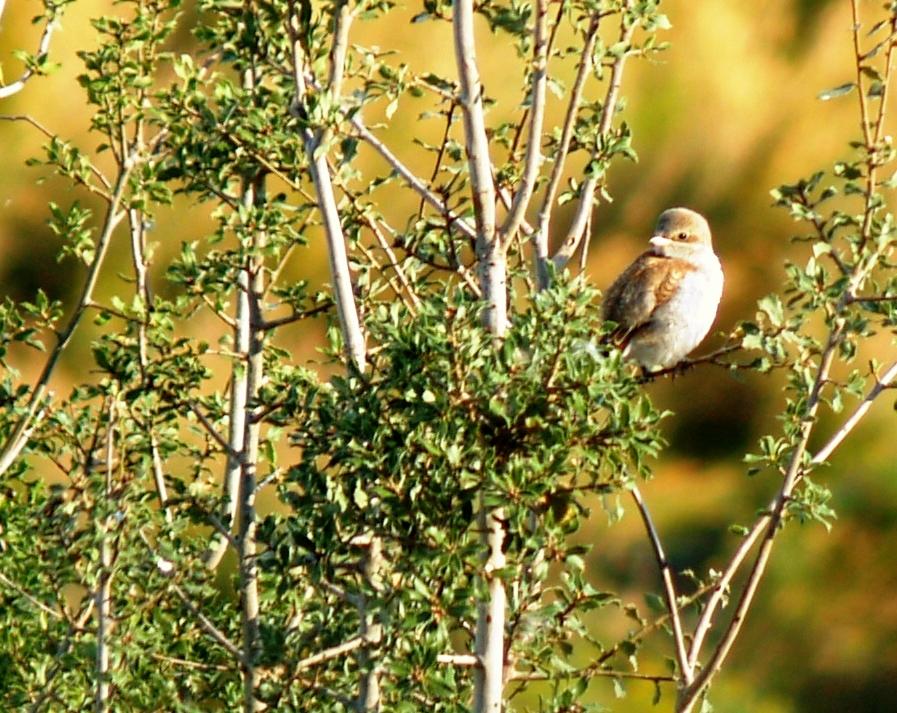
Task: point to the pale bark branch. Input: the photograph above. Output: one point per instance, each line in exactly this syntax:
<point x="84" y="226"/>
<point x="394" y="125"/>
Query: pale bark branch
<point x="142" y="288"/>
<point x="370" y="629"/>
<point x="776" y="511"/>
<point x="43" y="48"/>
<point x="458" y="659"/>
<point x="247" y="546"/>
<point x="343" y="290"/>
<point x="237" y="407"/>
<point x="342" y="22"/>
<point x="103" y="594"/>
<point x="411" y="179"/>
<point x="881" y="383"/>
<point x="491" y="254"/>
<point x="490" y="675"/>
<point x="492" y="265"/>
<point x="541" y="236"/>
<point x="587" y="196"/>
<point x="533" y="158"/>
<point x="333" y="652"/>
<point x="18" y="439"/>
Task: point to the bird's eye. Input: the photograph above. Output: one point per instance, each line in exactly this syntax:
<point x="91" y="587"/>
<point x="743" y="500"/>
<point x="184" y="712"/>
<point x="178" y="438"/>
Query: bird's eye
<point x="682" y="236"/>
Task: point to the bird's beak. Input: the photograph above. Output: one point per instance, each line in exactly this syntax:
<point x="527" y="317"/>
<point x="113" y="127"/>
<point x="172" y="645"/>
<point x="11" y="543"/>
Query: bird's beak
<point x="659" y="242"/>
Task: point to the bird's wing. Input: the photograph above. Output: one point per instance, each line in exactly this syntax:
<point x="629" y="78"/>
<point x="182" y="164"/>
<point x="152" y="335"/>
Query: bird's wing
<point x="646" y="284"/>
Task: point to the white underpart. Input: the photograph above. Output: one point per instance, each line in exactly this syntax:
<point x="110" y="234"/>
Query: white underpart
<point x="679" y="325"/>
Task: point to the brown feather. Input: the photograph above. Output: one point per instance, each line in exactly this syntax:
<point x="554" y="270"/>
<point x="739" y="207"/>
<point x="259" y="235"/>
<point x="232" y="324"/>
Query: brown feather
<point x="645" y="285"/>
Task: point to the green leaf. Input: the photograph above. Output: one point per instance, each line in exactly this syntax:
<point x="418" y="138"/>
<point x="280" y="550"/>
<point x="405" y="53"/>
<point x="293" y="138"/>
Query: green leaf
<point x="838" y="91"/>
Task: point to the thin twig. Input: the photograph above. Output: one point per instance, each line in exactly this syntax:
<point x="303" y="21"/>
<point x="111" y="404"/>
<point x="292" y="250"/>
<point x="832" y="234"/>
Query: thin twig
<point x="207" y="625"/>
<point x="50" y="135"/>
<point x="394" y="263"/>
<point x="269" y="324"/>
<point x="9" y="584"/>
<point x="343" y="290"/>
<point x="533" y="158"/>
<point x="722" y="586"/>
<point x="541" y="236"/>
<point x="588" y="673"/>
<point x="412" y="180"/>
<point x="668" y="585"/>
<point x="43" y="49"/>
<point x="331" y="653"/>
<point x="17" y="440"/>
<point x="189" y="664"/>
<point x="586" y="198"/>
<point x="881" y="384"/>
<point x="211" y="430"/>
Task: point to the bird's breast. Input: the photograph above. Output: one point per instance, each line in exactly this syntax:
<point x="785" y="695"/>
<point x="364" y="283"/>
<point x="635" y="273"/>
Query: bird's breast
<point x="678" y="326"/>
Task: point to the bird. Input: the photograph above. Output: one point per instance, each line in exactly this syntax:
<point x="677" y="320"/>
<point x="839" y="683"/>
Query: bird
<point x="665" y="302"/>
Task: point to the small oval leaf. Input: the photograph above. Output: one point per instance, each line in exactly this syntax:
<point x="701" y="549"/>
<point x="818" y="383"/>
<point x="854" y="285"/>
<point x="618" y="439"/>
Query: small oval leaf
<point x="837" y="91"/>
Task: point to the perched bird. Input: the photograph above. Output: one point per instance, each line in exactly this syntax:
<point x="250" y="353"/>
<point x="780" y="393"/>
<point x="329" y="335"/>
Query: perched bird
<point x="665" y="302"/>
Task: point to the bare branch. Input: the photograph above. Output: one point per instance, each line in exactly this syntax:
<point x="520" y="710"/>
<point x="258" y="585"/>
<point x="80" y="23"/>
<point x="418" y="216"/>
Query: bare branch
<point x="590" y="672"/>
<point x="453" y="219"/>
<point x="541" y="237"/>
<point x="336" y="243"/>
<point x="342" y="21"/>
<point x="18" y="439"/>
<point x="239" y="393"/>
<point x="394" y="264"/>
<point x="587" y="196"/>
<point x="416" y="183"/>
<point x="458" y="659"/>
<point x="770" y="526"/>
<point x="9" y="584"/>
<point x="722" y="586"/>
<point x="491" y="254"/>
<point x="270" y="324"/>
<point x="881" y="384"/>
<point x="471" y="103"/>
<point x="138" y="256"/>
<point x="206" y="624"/>
<point x="189" y="664"/>
<point x="331" y="653"/>
<point x="669" y="588"/>
<point x="533" y="160"/>
<point x="211" y="430"/>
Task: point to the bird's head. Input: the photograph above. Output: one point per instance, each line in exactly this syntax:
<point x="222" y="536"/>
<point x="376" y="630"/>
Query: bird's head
<point x="681" y="233"/>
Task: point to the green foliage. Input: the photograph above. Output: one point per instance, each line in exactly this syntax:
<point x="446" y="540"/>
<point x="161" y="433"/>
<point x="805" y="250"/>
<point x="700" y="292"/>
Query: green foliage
<point x="370" y="566"/>
<point x="402" y="454"/>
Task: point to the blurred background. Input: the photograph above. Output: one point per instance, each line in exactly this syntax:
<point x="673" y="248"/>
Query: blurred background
<point x="727" y="113"/>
